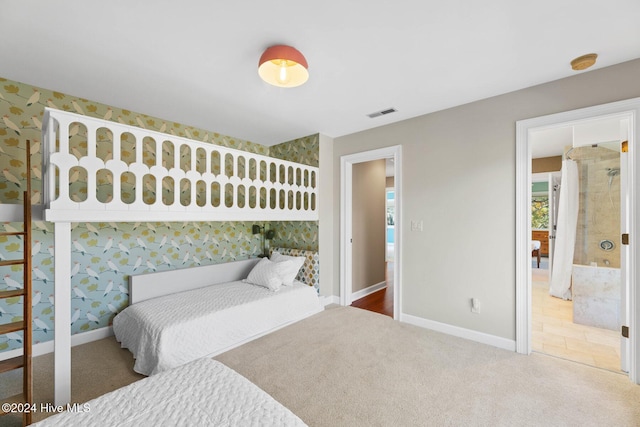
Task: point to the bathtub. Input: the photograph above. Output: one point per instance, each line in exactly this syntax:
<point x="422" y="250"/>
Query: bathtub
<point x="596" y="296"/>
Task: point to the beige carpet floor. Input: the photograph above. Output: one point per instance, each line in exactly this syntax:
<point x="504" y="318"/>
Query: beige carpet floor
<point x="350" y="367"/>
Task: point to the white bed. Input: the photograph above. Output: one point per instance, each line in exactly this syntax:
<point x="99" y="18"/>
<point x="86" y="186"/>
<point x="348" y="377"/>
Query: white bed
<point x="201" y="393"/>
<point x="164" y="332"/>
<point x="253" y="187"/>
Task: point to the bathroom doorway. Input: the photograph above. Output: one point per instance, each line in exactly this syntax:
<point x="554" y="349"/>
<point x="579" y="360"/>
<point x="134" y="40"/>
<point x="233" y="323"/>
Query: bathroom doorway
<point x="583" y="323"/>
<point x="625" y="112"/>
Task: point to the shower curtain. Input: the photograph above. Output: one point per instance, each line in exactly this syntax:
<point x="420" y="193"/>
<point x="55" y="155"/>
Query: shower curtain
<point x="560" y="285"/>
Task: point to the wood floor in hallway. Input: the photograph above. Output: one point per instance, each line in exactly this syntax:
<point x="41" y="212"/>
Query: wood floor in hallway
<point x="380" y="301"/>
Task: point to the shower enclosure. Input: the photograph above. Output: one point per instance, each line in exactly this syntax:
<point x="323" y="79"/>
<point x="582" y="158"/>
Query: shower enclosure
<point x="596" y="278"/>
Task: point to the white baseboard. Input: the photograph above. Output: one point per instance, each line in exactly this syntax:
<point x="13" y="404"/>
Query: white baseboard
<point x="457" y="331"/>
<point x="47" y="347"/>
<point x="330" y="299"/>
<point x="367" y="291"/>
<point x="98" y="334"/>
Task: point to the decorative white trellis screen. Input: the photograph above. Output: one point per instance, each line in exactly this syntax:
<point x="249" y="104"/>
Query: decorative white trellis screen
<point x="127" y="173"/>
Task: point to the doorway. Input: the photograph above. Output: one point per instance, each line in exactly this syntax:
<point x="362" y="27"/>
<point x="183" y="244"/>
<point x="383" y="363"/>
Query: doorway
<point x="582" y="322"/>
<point x="625" y="110"/>
<point x="347" y="223"/>
<point x="374" y="235"/>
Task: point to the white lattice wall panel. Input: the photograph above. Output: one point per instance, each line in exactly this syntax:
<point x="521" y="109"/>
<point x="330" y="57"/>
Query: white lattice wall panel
<point x="98" y="170"/>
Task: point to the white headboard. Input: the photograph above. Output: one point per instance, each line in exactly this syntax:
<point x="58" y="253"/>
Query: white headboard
<point x="151" y="285"/>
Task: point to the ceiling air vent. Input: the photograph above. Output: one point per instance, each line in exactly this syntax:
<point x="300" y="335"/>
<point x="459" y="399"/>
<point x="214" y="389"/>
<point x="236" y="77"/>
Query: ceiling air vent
<point x="382" y="113"/>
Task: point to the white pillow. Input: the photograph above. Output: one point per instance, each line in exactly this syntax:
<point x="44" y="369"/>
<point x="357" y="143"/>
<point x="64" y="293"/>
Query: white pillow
<point x="267" y="274"/>
<point x="291" y="264"/>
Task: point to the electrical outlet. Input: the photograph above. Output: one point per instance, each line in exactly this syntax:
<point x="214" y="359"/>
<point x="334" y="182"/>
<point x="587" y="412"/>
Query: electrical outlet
<point x="416" y="225"/>
<point x="475" y="305"/>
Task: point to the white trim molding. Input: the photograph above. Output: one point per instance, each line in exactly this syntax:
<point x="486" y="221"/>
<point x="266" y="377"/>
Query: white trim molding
<point x="456" y="331"/>
<point x="625" y="109"/>
<point x="329" y="299"/>
<point x="368" y="291"/>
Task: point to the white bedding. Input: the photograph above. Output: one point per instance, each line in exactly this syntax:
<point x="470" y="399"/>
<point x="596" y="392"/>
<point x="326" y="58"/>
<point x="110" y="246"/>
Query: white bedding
<point x="201" y="393"/>
<point x="169" y="331"/>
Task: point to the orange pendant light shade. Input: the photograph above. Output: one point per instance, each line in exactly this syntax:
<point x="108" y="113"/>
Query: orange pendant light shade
<point x="283" y="66"/>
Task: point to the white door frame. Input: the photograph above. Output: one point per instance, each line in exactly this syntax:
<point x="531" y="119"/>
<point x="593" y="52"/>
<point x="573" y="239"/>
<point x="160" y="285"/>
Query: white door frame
<point x="346" y="215"/>
<point x="630" y="108"/>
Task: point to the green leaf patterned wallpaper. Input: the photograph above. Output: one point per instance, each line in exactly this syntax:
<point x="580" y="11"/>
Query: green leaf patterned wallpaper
<point x="302" y="150"/>
<point x="105" y="254"/>
<point x="297" y="234"/>
<point x="22" y="108"/>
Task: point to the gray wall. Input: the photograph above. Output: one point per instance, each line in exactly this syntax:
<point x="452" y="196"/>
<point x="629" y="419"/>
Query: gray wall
<point x="467" y="248"/>
<point x="369" y="224"/>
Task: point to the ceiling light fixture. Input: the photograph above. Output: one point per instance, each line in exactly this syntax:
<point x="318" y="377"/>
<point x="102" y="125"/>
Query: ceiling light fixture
<point x="283" y="66"/>
<point x="583" y="62"/>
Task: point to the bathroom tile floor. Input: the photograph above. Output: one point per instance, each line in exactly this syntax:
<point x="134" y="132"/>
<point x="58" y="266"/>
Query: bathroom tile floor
<point x="554" y="332"/>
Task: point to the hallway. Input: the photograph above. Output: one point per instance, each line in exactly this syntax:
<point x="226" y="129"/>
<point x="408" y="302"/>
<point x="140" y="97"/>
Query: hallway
<point x="380" y="301"/>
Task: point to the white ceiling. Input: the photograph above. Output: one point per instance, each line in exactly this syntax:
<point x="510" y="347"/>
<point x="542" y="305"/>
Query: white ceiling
<point x="195" y="61"/>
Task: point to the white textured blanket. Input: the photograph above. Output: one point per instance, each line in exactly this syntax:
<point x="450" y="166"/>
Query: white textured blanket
<point x="201" y="393"/>
<point x="169" y="331"/>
